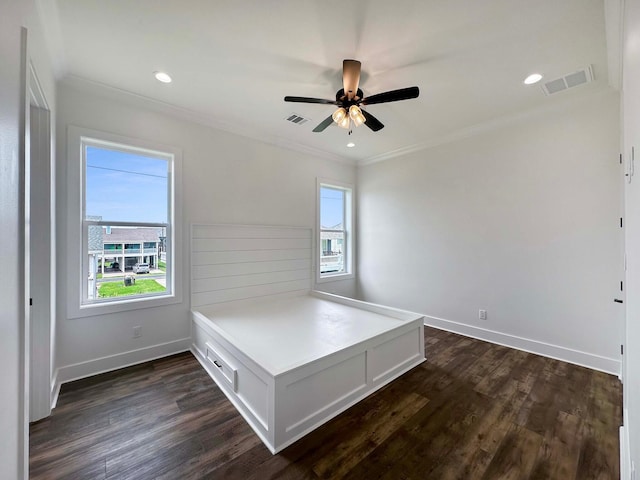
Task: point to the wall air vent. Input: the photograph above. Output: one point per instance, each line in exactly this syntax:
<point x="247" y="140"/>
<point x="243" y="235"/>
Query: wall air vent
<point x="568" y="81"/>
<point x="297" y="119"/>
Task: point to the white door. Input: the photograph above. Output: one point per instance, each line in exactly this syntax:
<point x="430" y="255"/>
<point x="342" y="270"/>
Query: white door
<point x="41" y="279"/>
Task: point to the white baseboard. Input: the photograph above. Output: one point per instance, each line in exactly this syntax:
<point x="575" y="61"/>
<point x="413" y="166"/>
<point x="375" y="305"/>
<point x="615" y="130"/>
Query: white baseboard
<point x="589" y="360"/>
<point x="625" y="453"/>
<point x="89" y="368"/>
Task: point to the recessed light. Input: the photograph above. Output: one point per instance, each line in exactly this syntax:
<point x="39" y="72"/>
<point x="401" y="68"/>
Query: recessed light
<point x="162" y="77"/>
<point x="351" y="144"/>
<point x="533" y="78"/>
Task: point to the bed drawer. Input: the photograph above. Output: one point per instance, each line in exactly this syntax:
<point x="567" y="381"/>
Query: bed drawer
<point x="222" y="365"/>
<point x="248" y="389"/>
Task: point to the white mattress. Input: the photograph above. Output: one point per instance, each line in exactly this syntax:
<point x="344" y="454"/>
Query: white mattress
<point x="302" y="329"/>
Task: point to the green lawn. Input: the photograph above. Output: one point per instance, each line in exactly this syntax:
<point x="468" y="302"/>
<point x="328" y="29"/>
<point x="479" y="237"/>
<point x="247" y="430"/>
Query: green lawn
<point x="117" y="289"/>
<point x="162" y="266"/>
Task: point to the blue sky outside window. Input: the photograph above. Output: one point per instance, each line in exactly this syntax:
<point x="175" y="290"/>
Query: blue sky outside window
<point x="331" y="208"/>
<point x="126" y="187"/>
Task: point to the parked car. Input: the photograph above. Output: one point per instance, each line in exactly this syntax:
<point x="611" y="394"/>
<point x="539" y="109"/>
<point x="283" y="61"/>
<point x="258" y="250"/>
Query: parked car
<point x="141" y="268"/>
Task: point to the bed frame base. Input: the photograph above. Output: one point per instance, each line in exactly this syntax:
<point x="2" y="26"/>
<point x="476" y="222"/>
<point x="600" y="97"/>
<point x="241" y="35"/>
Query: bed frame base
<point x="283" y="408"/>
<point x="238" y="264"/>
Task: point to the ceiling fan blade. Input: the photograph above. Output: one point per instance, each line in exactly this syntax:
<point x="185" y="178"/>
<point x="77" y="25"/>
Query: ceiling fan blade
<point x="392" y="96"/>
<point x="372" y="122"/>
<point x="324" y="124"/>
<point x="350" y="77"/>
<point x="310" y="100"/>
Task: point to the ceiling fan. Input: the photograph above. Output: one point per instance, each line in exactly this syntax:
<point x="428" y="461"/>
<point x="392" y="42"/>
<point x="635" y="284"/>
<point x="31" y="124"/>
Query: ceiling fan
<point x="350" y="98"/>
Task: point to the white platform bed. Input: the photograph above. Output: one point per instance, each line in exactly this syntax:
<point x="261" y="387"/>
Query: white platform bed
<point x="288" y="358"/>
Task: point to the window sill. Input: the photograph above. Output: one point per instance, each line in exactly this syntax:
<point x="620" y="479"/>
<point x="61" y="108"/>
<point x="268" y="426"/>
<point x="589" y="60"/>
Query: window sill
<point x="117" y="306"/>
<point x="335" y="277"/>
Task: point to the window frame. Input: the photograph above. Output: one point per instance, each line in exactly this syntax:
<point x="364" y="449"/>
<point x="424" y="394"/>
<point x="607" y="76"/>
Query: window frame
<point x="349" y="231"/>
<point x="78" y="303"/>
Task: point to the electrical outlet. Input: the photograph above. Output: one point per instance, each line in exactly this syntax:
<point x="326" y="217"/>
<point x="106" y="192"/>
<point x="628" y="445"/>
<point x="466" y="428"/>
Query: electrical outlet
<point x="482" y="314"/>
<point x="137" y="331"/>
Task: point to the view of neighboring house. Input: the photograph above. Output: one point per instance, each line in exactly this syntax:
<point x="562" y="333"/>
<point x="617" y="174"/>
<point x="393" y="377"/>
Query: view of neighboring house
<point x="332" y="257"/>
<point x="117" y="249"/>
<point x="123" y="247"/>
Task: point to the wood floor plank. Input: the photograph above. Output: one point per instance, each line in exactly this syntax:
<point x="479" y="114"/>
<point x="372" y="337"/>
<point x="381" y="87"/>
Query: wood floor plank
<point x="500" y="375"/>
<point x="559" y="453"/>
<point x="488" y="361"/>
<point x="472" y="411"/>
<point x="516" y="456"/>
<point x="429" y="436"/>
<point x="481" y="442"/>
<point x="220" y="446"/>
<point x="359" y="443"/>
<point x="243" y="467"/>
<point x="599" y="454"/>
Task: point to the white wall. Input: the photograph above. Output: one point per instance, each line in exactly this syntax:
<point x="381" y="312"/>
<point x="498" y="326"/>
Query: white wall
<point x="520" y="221"/>
<point x="226" y="179"/>
<point x="13" y="15"/>
<point x="631" y="135"/>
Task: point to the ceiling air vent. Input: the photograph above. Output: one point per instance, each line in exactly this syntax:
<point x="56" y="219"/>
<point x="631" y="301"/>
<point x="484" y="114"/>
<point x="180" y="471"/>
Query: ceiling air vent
<point x="297" y="119"/>
<point x="568" y="81"/>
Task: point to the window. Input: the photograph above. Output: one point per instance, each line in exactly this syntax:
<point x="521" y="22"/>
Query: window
<point x="335" y="212"/>
<point x="124" y="193"/>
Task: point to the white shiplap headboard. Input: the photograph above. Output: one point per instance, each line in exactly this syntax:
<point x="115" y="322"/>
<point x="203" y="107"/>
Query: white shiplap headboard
<point x="240" y="262"/>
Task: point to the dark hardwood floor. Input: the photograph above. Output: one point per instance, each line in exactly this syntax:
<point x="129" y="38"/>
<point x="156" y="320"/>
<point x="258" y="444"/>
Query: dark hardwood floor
<point x="474" y="410"/>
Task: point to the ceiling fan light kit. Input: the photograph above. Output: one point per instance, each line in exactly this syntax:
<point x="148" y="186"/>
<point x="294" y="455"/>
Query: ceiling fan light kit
<point x="356" y="115"/>
<point x="339" y="115"/>
<point x="343" y="120"/>
<point x="350" y="98"/>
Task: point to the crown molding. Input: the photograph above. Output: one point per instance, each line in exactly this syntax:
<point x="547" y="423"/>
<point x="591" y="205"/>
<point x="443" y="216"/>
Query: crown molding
<point x="495" y="124"/>
<point x="148" y="103"/>
<point x="130" y="98"/>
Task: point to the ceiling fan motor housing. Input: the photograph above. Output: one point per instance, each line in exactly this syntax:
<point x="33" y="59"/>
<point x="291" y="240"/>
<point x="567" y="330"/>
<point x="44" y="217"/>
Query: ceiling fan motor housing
<point x="343" y="99"/>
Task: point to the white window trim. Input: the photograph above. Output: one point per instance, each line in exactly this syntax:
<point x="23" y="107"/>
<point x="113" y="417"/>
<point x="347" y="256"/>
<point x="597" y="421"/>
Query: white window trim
<point x="350" y="252"/>
<point x="75" y="274"/>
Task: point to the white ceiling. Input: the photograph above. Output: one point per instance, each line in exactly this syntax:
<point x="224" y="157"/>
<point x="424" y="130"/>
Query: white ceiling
<point x="232" y="62"/>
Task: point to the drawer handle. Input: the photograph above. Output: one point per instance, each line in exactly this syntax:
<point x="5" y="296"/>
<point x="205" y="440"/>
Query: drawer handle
<point x="215" y="362"/>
